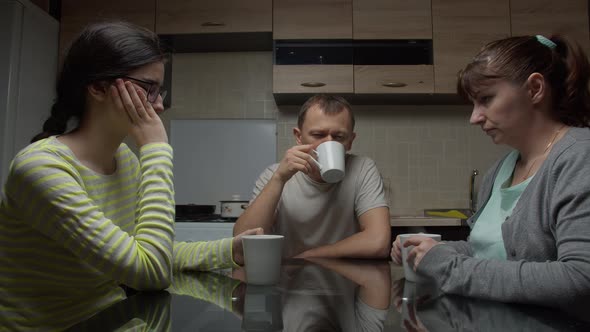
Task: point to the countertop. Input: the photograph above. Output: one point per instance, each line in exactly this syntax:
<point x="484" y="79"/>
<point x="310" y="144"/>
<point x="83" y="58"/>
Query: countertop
<point x="326" y="295"/>
<point x="396" y="221"/>
<point x="408" y="221"/>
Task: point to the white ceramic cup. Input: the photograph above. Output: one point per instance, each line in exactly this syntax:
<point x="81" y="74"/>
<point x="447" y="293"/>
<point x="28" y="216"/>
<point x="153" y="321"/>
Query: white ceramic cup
<point x="408" y="301"/>
<point x="331" y="161"/>
<point x="262" y="309"/>
<point x="409" y="273"/>
<point x="262" y="258"/>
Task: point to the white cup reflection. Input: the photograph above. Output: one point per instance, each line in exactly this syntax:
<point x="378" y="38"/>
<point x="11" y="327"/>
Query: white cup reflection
<point x="262" y="258"/>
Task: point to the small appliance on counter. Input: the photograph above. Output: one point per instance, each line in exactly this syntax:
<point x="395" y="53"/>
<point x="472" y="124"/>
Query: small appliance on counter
<point x="199" y="213"/>
<point x="200" y="223"/>
<point x="234" y="208"/>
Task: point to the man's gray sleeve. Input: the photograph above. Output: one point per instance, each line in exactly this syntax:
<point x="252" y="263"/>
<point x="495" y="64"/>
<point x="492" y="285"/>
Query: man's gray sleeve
<point x="370" y="189"/>
<point x="262" y="181"/>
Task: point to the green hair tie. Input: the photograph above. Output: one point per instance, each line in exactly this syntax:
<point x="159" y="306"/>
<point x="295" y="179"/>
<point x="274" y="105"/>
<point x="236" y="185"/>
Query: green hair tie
<point x="546" y="41"/>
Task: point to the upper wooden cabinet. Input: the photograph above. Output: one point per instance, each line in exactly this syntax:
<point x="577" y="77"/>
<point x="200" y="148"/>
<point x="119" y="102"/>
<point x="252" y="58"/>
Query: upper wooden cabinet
<point x="390" y="79"/>
<point x="346" y="19"/>
<point x="313" y="79"/>
<point x="312" y="19"/>
<point x="546" y="17"/>
<point x="76" y="14"/>
<point x="190" y="16"/>
<point x="392" y="19"/>
<point x="460" y="29"/>
<point x="352" y="79"/>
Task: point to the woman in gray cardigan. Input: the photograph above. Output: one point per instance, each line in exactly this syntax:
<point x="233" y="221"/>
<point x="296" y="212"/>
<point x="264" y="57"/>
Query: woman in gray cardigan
<point x="530" y="237"/>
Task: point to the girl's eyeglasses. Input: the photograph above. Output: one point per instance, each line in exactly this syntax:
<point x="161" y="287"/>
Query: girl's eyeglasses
<point x="152" y="89"/>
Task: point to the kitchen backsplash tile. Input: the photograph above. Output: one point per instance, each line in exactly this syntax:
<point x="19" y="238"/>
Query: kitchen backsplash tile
<point x="425" y="153"/>
<point x="225" y="85"/>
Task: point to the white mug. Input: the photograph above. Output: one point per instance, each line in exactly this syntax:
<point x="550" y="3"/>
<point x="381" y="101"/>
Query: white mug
<point x="263" y="310"/>
<point x="409" y="266"/>
<point x="331" y="161"/>
<point x="408" y="302"/>
<point x="262" y="258"/>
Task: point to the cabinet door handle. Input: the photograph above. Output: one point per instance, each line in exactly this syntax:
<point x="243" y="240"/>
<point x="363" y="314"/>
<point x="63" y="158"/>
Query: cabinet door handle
<point x="393" y="84"/>
<point x="212" y="24"/>
<point x="313" y="84"/>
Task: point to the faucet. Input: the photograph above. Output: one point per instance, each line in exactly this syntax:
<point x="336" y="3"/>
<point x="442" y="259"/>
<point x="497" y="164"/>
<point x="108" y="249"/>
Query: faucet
<point x="472" y="206"/>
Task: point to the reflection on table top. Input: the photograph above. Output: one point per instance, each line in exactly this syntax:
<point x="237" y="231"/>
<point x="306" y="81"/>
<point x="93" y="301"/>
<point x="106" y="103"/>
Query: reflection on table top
<point x="319" y="295"/>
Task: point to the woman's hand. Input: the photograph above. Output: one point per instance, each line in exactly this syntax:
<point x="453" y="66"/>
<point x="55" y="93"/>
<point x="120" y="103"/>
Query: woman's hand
<point x="422" y="246"/>
<point x="146" y="125"/>
<point x="237" y="246"/>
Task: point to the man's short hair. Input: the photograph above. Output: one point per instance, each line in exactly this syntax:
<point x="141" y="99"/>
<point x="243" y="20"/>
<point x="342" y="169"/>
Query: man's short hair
<point x="329" y="104"/>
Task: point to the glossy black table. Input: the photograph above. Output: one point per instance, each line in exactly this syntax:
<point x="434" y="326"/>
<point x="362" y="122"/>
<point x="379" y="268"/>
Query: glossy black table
<point x="320" y="295"/>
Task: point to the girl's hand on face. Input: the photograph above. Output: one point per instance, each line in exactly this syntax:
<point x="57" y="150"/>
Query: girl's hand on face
<point x="146" y="125"/>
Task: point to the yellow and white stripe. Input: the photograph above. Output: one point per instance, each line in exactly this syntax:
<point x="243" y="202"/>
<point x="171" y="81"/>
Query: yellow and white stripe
<point x="70" y="236"/>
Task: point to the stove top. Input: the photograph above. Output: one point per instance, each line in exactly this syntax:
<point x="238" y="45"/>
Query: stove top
<point x="203" y="218"/>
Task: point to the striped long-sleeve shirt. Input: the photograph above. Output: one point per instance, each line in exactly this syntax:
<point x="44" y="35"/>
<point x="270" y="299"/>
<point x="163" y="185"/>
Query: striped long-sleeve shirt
<point x="150" y="311"/>
<point x="70" y="236"/>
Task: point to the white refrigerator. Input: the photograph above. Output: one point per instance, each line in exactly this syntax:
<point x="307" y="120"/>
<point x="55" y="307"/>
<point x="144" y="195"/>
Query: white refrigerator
<point x="28" y="68"/>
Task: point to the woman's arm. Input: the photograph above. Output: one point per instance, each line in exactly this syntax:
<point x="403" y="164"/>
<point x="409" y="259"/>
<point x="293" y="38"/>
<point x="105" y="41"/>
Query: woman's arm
<point x="547" y="240"/>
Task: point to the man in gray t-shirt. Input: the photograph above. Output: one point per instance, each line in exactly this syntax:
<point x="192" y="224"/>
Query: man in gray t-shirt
<point x="318" y="219"/>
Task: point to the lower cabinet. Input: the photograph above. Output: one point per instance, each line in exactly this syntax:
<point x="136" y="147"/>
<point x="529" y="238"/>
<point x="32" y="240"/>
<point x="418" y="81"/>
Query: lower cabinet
<point x="202" y="231"/>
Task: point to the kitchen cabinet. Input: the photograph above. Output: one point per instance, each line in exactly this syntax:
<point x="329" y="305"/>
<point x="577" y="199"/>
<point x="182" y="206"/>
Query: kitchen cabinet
<point x="392" y="19"/>
<point x="358" y="19"/>
<point x="370" y="20"/>
<point x="460" y="28"/>
<point x="189" y="16"/>
<point x="313" y="78"/>
<point x="384" y="79"/>
<point x="76" y="14"/>
<point x="312" y="19"/>
<point x="393" y="79"/>
<point x="545" y="17"/>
